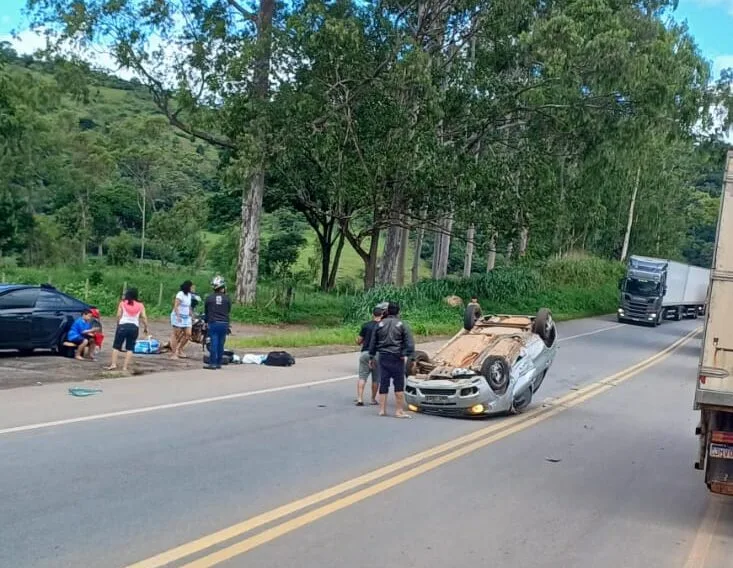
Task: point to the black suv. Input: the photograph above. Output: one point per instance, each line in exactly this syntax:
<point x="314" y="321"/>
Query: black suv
<point x="35" y="317"/>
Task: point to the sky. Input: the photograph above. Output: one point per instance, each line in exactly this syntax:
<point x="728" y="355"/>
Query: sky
<point x="710" y="23"/>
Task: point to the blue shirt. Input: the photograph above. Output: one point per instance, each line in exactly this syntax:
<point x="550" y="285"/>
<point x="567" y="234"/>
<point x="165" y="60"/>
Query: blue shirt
<point x="78" y="328"/>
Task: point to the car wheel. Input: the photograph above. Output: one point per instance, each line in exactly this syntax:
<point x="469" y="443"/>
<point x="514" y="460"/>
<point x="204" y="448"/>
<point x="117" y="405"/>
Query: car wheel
<point x="412" y="364"/>
<point x="496" y="372"/>
<point x="544" y="326"/>
<point x="522" y="401"/>
<point x="471" y="316"/>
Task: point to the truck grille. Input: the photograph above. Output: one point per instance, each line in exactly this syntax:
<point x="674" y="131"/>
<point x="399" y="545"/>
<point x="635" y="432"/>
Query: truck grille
<point x="637" y="308"/>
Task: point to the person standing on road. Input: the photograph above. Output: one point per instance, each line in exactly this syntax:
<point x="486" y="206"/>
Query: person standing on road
<point x="365" y="369"/>
<point x="181" y="320"/>
<point x="392" y="341"/>
<point x="217" y="308"/>
<point x="129" y="314"/>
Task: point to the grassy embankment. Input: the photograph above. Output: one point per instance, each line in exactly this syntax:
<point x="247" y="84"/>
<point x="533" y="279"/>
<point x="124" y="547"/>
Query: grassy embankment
<point x="572" y="288"/>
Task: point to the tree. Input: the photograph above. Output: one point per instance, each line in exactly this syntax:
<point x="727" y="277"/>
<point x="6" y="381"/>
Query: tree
<point x="219" y="57"/>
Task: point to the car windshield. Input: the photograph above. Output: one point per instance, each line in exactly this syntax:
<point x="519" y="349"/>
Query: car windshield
<point x="642" y="287"/>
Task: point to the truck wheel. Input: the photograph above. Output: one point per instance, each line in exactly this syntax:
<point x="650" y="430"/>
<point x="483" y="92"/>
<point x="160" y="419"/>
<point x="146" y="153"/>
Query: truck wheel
<point x="678" y="314"/>
<point x="412" y="364"/>
<point x="495" y="370"/>
<point x="471" y="316"/>
<point x="544" y="326"/>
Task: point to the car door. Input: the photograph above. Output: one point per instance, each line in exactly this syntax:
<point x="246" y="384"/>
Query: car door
<point x="16" y="317"/>
<point x="53" y="313"/>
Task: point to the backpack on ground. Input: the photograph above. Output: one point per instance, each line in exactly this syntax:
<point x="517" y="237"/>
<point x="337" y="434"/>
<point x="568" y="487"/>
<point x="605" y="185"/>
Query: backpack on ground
<point x="279" y="359"/>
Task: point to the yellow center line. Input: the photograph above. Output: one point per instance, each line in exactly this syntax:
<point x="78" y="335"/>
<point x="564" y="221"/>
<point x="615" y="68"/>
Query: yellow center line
<point x="470" y="442"/>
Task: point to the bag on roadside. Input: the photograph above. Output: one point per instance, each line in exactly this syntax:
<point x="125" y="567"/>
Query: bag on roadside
<point x="279" y="359"/>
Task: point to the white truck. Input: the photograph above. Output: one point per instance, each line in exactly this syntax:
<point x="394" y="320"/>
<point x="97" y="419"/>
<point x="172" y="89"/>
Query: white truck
<point x="654" y="289"/>
<point x="714" y="390"/>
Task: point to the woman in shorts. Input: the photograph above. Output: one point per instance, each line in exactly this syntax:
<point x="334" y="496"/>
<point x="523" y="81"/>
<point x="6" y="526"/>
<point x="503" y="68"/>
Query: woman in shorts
<point x="130" y="313"/>
<point x="181" y="320"/>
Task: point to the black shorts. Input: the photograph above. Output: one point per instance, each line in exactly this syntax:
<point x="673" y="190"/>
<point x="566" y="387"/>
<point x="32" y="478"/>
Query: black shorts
<point x="79" y="341"/>
<point x="126" y="333"/>
<point x="391" y="369"/>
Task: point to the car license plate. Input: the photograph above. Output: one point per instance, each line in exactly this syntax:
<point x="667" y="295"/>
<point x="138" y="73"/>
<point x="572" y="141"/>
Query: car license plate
<point x="436" y="398"/>
<point x="720" y="451"/>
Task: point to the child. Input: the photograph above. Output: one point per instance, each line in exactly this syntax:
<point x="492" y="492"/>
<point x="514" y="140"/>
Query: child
<point x="97" y="335"/>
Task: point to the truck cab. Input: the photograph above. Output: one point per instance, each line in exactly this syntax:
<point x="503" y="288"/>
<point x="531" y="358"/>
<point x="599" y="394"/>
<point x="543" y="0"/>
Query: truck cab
<point x="642" y="290"/>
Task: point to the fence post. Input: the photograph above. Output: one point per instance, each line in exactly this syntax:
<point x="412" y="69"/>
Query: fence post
<point x="86" y="289"/>
<point x="160" y="295"/>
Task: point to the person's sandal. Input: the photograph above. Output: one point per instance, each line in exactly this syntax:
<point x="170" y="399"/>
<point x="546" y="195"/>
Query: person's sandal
<point x="359" y="403"/>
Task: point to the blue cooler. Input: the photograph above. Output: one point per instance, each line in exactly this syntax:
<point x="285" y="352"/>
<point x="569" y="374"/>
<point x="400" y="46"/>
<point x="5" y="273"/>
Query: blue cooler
<point x="148" y="346"/>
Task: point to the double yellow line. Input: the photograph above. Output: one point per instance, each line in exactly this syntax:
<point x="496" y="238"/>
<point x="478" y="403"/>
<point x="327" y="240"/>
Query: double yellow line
<point x="413" y="466"/>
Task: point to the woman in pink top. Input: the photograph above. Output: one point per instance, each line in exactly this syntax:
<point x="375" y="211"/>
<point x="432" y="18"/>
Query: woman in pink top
<point x="129" y="314"/>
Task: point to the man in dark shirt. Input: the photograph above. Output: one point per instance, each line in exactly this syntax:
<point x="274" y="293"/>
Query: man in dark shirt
<point x="364" y="339"/>
<point x="216" y="314"/>
<point x="392" y="340"/>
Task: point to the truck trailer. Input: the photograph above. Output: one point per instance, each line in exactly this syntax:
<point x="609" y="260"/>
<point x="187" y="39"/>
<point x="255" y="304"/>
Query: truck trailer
<point x="654" y="289"/>
<point x="714" y="388"/>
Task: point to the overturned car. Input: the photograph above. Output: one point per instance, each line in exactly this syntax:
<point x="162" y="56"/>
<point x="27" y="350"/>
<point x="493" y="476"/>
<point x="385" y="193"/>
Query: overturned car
<point x="494" y="365"/>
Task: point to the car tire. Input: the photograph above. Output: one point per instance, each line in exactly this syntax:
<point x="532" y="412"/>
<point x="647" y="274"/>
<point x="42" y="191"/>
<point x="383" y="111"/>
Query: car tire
<point x="544" y="326"/>
<point x="471" y="316"/>
<point x="495" y="371"/>
<point x="419" y="357"/>
<point x="521" y="402"/>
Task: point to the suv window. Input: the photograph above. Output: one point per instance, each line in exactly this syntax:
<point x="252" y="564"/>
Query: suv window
<point x="54" y="301"/>
<point x="19" y="299"/>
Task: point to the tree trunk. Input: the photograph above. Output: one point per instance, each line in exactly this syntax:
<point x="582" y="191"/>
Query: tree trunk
<point x="630" y="222"/>
<point x="491" y="256"/>
<point x="391" y="245"/>
<point x="402" y="258"/>
<point x="336" y="262"/>
<point x="325" y="242"/>
<point x="418" y="252"/>
<point x="249" y="239"/>
<point x="445" y="248"/>
<point x="249" y="244"/>
<point x="523" y="241"/>
<point x="370" y="262"/>
<point x="437" y="253"/>
<point x="468" y="257"/>
<point x="144" y="211"/>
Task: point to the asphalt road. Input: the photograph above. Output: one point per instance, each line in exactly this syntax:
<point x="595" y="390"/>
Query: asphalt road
<point x="594" y="474"/>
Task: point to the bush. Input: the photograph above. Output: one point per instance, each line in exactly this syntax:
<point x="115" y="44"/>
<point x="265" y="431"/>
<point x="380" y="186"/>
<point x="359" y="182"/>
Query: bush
<point x="120" y="249"/>
<point x="566" y="286"/>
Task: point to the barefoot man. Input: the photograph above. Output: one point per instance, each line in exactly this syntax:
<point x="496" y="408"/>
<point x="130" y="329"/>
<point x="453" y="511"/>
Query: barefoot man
<point x="393" y="342"/>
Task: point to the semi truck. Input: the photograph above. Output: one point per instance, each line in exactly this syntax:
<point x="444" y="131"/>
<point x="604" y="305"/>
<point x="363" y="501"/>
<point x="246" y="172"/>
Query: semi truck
<point x="714" y="385"/>
<point x="654" y="289"/>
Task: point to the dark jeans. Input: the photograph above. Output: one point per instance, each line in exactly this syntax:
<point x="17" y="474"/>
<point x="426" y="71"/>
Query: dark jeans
<point x="218" y="335"/>
<point x="391" y="368"/>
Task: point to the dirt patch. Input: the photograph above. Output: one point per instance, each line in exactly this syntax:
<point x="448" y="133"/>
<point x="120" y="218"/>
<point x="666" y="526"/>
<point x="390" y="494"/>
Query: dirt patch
<point x="41" y="368"/>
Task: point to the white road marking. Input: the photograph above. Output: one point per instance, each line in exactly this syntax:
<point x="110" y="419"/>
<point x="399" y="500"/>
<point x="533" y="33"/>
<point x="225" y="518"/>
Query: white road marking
<point x="590" y="332"/>
<point x="195" y="402"/>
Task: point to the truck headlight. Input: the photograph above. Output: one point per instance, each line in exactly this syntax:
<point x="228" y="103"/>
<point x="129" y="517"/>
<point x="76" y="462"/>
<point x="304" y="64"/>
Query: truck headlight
<point x="620" y="312"/>
<point x="652" y="315"/>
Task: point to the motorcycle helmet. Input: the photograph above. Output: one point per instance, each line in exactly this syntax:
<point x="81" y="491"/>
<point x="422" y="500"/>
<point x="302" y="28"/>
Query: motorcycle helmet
<point x="218" y="283"/>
